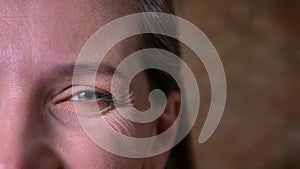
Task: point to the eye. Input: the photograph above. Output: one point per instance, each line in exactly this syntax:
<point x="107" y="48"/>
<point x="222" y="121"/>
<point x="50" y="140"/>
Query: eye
<point x="91" y="95"/>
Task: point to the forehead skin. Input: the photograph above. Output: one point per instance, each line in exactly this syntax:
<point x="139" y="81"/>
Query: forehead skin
<point x="36" y="35"/>
<point x="53" y="28"/>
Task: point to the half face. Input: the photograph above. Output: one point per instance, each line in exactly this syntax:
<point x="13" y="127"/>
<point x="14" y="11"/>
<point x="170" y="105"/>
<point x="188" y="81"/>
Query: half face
<point x="40" y="42"/>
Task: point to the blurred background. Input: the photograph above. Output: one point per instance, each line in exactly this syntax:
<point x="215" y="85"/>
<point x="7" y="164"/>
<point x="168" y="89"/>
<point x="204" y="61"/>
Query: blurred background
<point x="259" y="45"/>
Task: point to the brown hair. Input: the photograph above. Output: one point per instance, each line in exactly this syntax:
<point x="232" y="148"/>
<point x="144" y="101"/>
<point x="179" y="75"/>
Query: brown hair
<point x="182" y="154"/>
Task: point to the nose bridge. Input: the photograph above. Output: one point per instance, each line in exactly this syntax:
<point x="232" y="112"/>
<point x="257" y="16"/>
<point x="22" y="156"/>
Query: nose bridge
<point x="15" y="119"/>
<point x="14" y="103"/>
<point x="23" y="136"/>
<point x="14" y="124"/>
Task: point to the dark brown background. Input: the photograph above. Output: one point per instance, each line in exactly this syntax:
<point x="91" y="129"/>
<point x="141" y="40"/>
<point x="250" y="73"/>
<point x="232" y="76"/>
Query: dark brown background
<point x="259" y="44"/>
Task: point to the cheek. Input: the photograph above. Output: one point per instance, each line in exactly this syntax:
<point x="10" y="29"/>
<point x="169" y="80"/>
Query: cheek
<point x="78" y="151"/>
<point x="118" y="123"/>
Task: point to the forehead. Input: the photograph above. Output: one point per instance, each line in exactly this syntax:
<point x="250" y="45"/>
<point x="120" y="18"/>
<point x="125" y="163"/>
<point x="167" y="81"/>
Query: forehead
<point x="50" y="31"/>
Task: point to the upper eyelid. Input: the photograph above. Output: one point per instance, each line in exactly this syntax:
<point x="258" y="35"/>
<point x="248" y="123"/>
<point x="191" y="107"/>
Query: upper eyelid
<point x="88" y="69"/>
<point x="86" y="88"/>
<point x="68" y="92"/>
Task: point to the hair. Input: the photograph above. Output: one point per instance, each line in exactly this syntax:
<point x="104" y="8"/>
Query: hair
<point x="182" y="154"/>
<point x="160" y="79"/>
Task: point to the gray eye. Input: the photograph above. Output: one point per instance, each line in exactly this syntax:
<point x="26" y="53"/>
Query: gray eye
<point x="91" y="96"/>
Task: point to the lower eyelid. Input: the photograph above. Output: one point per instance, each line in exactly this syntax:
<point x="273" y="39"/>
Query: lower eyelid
<point x="92" y="108"/>
<point x="64" y="112"/>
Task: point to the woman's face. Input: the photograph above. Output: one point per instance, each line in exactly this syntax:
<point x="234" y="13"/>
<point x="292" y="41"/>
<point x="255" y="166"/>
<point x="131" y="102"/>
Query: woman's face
<point x="40" y="41"/>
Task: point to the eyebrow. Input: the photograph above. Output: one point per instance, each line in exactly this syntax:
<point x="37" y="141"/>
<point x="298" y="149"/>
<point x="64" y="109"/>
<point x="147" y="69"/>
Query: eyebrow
<point x="83" y="69"/>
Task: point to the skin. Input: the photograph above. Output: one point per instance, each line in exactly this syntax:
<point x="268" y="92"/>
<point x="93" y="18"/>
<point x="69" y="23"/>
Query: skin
<point x="39" y="128"/>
